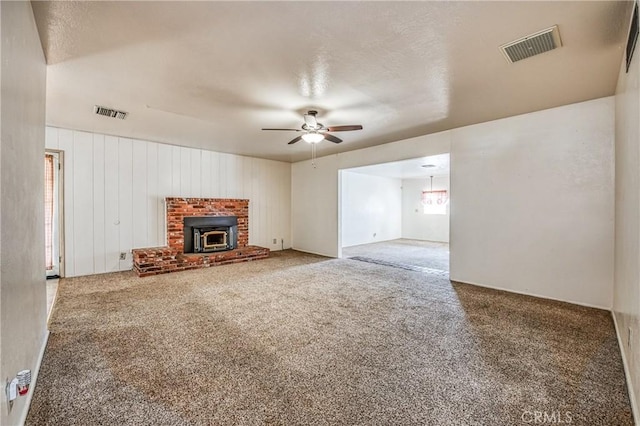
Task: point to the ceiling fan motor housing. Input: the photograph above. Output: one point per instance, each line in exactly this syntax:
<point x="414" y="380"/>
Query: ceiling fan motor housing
<point x="310" y="122"/>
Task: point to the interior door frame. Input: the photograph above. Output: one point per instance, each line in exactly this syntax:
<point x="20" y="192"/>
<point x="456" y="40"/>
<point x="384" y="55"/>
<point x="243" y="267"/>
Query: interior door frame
<point x="59" y="188"/>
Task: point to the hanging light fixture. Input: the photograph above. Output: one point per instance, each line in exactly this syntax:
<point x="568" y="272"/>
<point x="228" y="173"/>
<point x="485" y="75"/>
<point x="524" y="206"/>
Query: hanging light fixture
<point x="313" y="137"/>
<point x="435" y="198"/>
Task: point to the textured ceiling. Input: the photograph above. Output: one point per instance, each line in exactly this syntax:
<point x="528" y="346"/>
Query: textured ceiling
<point x="212" y="74"/>
<point x="436" y="165"/>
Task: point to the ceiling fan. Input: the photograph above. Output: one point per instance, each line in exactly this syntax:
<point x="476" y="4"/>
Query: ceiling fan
<point x="315" y="132"/>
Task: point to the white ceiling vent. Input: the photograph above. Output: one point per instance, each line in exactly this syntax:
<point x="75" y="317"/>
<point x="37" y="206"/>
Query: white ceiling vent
<point x="531" y="45"/>
<point x="108" y="112"/>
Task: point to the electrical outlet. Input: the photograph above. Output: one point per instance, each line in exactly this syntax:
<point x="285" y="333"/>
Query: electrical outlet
<point x="123" y="255"/>
<point x="275" y="241"/>
<point x="629" y="337"/>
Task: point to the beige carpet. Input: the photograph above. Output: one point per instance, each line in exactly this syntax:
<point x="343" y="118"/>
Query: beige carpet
<point x="422" y="254"/>
<point x="299" y="339"/>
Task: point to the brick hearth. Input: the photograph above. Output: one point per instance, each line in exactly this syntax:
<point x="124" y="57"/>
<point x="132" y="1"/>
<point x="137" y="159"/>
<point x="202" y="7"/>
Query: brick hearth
<point x="171" y="258"/>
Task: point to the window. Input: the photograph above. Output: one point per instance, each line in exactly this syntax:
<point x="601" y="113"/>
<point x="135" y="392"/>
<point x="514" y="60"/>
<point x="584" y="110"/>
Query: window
<point x="435" y="202"/>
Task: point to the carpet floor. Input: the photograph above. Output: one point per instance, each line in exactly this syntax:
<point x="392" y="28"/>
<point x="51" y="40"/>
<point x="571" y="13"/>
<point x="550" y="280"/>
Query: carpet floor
<point x="421" y="254"/>
<point x="298" y="339"/>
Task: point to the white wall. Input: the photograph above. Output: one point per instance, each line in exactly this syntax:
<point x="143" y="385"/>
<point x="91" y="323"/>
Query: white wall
<point x="23" y="306"/>
<point x="114" y="191"/>
<point x="531" y="200"/>
<point x="532" y="208"/>
<point x="407" y="149"/>
<point x="626" y="290"/>
<point x="415" y="224"/>
<point x="371" y="208"/>
<point x="314" y="214"/>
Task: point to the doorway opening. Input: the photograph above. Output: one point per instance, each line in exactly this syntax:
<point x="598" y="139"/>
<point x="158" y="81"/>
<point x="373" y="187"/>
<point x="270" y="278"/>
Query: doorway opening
<point x="397" y="214"/>
<point x="53" y="214"/>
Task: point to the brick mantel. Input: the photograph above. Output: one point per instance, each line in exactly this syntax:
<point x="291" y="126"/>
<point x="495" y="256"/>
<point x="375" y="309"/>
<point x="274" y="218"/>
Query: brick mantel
<point x="171" y="258"/>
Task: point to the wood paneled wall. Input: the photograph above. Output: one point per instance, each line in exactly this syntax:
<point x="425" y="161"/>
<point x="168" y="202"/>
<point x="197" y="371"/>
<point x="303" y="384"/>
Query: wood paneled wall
<point x="114" y="190"/>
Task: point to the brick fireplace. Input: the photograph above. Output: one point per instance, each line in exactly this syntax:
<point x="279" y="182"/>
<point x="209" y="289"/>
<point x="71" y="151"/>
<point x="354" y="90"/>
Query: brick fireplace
<point x="177" y="257"/>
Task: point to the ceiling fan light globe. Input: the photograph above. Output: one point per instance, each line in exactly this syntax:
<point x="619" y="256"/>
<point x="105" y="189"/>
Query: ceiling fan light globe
<point x="313" y="137"/>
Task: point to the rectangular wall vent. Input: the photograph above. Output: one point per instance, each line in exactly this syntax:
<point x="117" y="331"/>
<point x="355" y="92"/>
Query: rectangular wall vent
<point x="108" y="112"/>
<point x="531" y="45"/>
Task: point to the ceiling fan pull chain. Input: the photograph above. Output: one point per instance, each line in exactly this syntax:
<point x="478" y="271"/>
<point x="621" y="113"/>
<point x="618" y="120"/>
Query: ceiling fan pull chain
<point x="313" y="155"/>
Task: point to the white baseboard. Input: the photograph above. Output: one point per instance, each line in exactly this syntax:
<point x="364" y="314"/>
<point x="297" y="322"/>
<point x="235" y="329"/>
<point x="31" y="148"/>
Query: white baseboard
<point x="539" y="296"/>
<point x="627" y="373"/>
<point x="313" y="252"/>
<point x="53" y="303"/>
<point x="34" y="379"/>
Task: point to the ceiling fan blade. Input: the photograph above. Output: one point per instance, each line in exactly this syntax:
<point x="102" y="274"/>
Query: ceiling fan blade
<point x="310" y="120"/>
<point x="332" y="138"/>
<point x="291" y="130"/>
<point x="344" y="128"/>
<point x="295" y="140"/>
